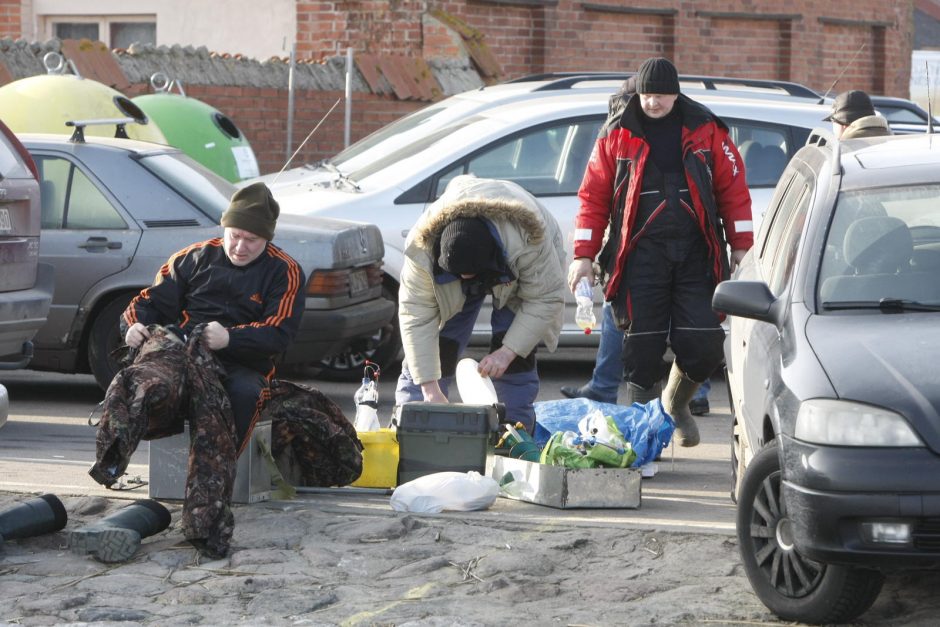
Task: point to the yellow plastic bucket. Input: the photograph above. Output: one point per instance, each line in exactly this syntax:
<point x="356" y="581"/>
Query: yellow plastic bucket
<point x="379" y="459"/>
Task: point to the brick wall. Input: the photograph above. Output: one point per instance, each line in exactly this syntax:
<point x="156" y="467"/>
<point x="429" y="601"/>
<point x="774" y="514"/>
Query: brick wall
<point x="10" y="18"/>
<point x="329" y="27"/>
<point x="866" y="44"/>
<point x="261" y="114"/>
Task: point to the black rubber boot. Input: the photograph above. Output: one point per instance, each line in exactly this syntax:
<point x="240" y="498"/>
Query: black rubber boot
<point x="679" y="391"/>
<point x="34" y="517"/>
<point x="117" y="537"/>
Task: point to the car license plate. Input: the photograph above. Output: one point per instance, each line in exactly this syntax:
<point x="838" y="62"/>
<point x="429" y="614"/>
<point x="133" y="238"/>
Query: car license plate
<point x="5" y="224"/>
<point x="358" y="282"/>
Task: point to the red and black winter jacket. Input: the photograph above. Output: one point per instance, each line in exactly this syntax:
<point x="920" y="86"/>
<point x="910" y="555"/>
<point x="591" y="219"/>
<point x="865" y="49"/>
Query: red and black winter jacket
<point x="260" y="304"/>
<point x="610" y="190"/>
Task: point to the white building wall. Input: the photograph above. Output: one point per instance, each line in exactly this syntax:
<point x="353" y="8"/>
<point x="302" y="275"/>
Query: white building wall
<point x="921" y="60"/>
<point x="256" y="29"/>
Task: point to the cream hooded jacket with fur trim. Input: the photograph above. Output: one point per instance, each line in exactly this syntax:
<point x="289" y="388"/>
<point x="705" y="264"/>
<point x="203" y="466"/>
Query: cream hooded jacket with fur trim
<point x="532" y="243"/>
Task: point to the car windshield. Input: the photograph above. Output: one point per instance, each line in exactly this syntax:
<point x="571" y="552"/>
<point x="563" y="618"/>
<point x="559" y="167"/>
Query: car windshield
<point x="399" y="133"/>
<point x="409" y="150"/>
<point x="206" y="190"/>
<point x="883" y="250"/>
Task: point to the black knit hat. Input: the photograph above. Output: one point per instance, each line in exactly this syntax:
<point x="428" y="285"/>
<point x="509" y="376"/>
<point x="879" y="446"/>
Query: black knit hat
<point x="253" y="209"/>
<point x="850" y="106"/>
<point x="467" y="246"/>
<point x="657" y="75"/>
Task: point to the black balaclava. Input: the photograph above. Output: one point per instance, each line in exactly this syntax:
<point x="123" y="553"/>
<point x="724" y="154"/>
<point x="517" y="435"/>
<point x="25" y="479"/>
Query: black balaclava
<point x="467" y="247"/>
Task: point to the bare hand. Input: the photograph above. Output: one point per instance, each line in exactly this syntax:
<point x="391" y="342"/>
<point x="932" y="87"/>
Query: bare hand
<point x="580" y="267"/>
<point x="431" y="390"/>
<point x="495" y="364"/>
<point x="136" y="335"/>
<point x="736" y="257"/>
<point x="216" y="336"/>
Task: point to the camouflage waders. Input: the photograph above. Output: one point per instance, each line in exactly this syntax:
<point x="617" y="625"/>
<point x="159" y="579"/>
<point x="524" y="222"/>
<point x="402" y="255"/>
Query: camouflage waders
<point x="309" y="432"/>
<point x="169" y="382"/>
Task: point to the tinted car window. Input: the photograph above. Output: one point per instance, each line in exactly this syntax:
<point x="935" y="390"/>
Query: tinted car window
<point x="785" y="255"/>
<point x="883" y="244"/>
<point x="789" y="205"/>
<point x="70" y="200"/>
<point x="765" y="149"/>
<point x="546" y="161"/>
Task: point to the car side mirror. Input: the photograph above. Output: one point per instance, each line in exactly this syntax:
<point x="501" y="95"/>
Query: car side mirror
<point x="747" y="299"/>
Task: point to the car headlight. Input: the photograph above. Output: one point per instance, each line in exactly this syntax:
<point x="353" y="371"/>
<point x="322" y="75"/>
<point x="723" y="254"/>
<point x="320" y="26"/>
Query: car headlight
<point x="844" y="423"/>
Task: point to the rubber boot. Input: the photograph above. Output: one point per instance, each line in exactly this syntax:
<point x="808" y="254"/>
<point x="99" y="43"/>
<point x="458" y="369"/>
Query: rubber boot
<point x="679" y="391"/>
<point x="639" y="394"/>
<point x="117" y="537"/>
<point x="34" y="517"/>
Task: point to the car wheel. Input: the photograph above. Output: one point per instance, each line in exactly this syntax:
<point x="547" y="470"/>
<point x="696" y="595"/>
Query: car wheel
<point x="348" y="365"/>
<point x="104" y="337"/>
<point x="791" y="585"/>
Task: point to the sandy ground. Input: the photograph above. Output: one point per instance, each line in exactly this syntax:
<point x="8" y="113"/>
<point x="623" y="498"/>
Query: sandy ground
<point x="351" y="560"/>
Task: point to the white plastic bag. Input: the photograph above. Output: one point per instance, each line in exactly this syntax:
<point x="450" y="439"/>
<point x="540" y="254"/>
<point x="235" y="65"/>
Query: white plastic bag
<point x="454" y="491"/>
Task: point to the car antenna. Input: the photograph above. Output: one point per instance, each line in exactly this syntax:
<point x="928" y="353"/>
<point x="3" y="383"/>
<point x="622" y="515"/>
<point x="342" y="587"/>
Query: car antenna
<point x="929" y="102"/>
<point x="839" y="77"/>
<point x="309" y="135"/>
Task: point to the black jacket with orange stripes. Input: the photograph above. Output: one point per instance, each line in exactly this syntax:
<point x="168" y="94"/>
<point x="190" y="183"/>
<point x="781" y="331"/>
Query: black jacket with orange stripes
<point x="260" y="304"/>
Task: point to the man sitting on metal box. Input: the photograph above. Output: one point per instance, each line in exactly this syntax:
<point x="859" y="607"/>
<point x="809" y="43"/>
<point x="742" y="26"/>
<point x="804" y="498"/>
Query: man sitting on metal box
<point x="235" y="302"/>
<point x="482" y="236"/>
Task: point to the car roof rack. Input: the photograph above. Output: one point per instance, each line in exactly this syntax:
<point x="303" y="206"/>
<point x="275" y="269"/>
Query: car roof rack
<point x="78" y="135"/>
<point x="566" y="80"/>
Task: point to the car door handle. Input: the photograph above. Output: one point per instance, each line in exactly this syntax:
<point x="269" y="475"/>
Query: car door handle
<point x="93" y="243"/>
<point x="404" y="232"/>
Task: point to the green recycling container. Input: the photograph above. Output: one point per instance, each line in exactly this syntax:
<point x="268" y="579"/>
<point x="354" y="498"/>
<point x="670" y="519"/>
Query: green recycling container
<point x="203" y="133"/>
<point x="43" y="104"/>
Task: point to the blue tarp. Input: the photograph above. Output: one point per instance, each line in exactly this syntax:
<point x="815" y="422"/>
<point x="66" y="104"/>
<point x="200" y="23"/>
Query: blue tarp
<point x="647" y="428"/>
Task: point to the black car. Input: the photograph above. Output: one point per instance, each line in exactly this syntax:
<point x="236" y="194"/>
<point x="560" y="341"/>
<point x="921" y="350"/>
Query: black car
<point x="831" y="368"/>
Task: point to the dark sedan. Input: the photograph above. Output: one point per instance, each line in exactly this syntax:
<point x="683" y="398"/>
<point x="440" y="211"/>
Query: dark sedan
<point x="114" y="210"/>
<point x="830" y="358"/>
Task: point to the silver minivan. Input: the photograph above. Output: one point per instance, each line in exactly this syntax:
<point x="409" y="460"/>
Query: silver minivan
<point x="25" y="284"/>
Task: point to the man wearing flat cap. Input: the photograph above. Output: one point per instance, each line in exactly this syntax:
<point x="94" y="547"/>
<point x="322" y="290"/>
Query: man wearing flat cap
<point x="481" y="237"/>
<point x="239" y="298"/>
<point x="853" y="116"/>
<point x="662" y="200"/>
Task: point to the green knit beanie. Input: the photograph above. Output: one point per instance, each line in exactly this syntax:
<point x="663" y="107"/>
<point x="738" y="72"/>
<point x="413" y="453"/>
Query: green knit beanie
<point x="253" y="209"/>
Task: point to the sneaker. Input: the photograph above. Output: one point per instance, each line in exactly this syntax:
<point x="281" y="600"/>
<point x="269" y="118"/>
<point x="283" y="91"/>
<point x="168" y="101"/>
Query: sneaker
<point x="569" y="391"/>
<point x="699" y="406"/>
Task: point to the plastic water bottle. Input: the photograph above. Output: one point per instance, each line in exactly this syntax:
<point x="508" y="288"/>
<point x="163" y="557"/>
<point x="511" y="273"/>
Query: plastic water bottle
<point x="367" y="406"/>
<point x="584" y="297"/>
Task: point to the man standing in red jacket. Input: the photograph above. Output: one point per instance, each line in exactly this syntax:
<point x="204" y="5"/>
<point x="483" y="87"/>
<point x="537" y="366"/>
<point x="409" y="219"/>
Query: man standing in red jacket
<point x="669" y="184"/>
